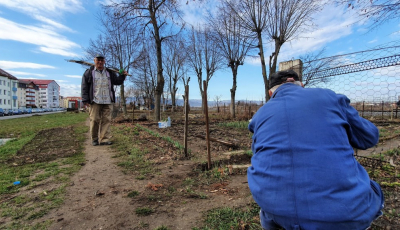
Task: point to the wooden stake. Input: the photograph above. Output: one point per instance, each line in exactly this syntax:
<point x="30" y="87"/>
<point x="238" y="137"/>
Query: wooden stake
<point x="207" y="124"/>
<point x="133" y="111"/>
<point x="186" y="120"/>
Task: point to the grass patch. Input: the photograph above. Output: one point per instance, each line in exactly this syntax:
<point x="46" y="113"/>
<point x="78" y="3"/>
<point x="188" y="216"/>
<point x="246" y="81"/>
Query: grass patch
<point x="235" y="124"/>
<point x="130" y="151"/>
<point x="229" y="218"/>
<point x="20" y="204"/>
<point x="166" y="138"/>
<point x="133" y="193"/>
<point x="145" y="211"/>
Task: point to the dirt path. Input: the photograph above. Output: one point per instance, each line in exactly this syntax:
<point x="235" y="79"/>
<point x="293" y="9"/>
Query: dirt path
<point x="97" y="197"/>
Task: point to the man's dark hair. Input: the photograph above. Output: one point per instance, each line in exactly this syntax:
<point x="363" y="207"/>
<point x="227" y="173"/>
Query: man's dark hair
<point x="280" y="77"/>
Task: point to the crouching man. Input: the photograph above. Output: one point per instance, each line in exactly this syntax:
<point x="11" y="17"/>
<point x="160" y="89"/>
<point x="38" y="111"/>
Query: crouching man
<point x="303" y="173"/>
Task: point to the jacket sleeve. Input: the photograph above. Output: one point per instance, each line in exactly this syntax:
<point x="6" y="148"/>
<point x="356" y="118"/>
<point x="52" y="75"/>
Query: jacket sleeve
<point x="362" y="133"/>
<point x="85" y="88"/>
<point x="117" y="79"/>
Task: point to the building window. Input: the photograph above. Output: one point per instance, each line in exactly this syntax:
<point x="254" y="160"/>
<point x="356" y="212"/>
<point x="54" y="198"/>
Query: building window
<point x="5" y="92"/>
<point x="10" y="103"/>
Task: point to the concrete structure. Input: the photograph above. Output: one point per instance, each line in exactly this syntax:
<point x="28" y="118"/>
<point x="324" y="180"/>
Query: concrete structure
<point x="49" y="93"/>
<point x="62" y="102"/>
<point x="72" y="102"/>
<point x="8" y="91"/>
<point x="28" y="94"/>
<point x="295" y="65"/>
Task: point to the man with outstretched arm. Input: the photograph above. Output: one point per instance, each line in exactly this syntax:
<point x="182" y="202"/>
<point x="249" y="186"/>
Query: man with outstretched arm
<point x="98" y="93"/>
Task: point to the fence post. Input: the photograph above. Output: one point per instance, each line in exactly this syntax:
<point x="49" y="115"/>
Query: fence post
<point x="362" y="113"/>
<point x="396" y="111"/>
<point x="382" y="109"/>
<point x="371" y="108"/>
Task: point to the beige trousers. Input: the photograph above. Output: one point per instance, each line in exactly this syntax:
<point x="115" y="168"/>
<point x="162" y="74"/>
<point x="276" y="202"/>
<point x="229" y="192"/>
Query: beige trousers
<point x="100" y="119"/>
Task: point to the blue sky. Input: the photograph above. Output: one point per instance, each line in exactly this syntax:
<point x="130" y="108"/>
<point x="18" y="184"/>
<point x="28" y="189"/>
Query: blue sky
<point x="37" y="36"/>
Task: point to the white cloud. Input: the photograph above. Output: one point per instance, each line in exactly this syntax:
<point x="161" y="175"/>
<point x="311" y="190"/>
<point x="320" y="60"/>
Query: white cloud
<point x="195" y="11"/>
<point x="44" y="7"/>
<point x="58" y="52"/>
<point x="373" y="41"/>
<point x="23" y="65"/>
<point x="52" y="23"/>
<point x="70" y="90"/>
<point x="333" y="24"/>
<point x="73" y="76"/>
<point x="18" y="73"/>
<point x="47" y="40"/>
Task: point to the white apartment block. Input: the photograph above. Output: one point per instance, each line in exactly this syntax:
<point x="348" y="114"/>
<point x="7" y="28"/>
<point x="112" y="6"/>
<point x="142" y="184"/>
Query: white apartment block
<point x="8" y="90"/>
<point x="49" y="93"/>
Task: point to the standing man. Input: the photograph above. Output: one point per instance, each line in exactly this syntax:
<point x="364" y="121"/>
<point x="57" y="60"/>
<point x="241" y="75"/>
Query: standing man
<point x="98" y="92"/>
<point x="304" y="174"/>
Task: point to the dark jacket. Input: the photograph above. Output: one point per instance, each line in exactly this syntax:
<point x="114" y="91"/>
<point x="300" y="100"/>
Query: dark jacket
<point x="303" y="170"/>
<point x="87" y="84"/>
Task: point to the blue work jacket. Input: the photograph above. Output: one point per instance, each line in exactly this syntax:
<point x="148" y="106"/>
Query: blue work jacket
<point x="303" y="171"/>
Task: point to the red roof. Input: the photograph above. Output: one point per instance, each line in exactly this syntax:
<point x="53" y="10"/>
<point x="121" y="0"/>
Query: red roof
<point x="5" y="74"/>
<point x="39" y="82"/>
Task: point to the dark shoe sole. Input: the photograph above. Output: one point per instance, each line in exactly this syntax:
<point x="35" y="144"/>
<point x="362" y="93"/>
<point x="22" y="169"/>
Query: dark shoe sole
<point x="94" y="143"/>
<point x="106" y="143"/>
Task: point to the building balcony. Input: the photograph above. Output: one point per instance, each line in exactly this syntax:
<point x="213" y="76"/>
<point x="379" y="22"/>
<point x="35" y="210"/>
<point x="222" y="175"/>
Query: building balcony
<point x="14" y="89"/>
<point x="14" y="97"/>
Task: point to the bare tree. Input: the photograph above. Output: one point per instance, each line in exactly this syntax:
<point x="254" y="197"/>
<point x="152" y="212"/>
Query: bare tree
<point x="124" y="45"/>
<point x="253" y="19"/>
<point x="217" y="100"/>
<point x="312" y="64"/>
<point x="286" y="19"/>
<point x="174" y="64"/>
<point x="232" y="43"/>
<point x="203" y="56"/>
<point x="376" y="11"/>
<point x="119" y="42"/>
<point x="279" y="20"/>
<point x="145" y="75"/>
<point x="153" y="16"/>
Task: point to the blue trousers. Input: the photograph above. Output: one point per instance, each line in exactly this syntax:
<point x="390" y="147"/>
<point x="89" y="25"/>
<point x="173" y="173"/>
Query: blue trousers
<point x="271" y="222"/>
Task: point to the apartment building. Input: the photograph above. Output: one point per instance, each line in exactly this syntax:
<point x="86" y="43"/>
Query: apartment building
<point x="28" y="94"/>
<point x="49" y="93"/>
<point x="8" y="90"/>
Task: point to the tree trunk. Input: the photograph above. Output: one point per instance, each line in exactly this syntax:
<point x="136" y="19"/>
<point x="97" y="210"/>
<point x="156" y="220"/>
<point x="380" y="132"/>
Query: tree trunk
<point x="123" y="101"/>
<point x="263" y="67"/>
<point x="234" y="68"/>
<point x="272" y="67"/>
<point x="160" y="79"/>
